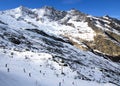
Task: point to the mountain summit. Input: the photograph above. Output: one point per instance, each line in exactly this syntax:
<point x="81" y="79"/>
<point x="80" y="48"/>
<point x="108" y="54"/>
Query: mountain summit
<point x="46" y="46"/>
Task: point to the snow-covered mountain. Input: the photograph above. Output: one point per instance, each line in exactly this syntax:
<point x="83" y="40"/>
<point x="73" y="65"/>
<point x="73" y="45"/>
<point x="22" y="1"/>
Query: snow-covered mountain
<point x="47" y="47"/>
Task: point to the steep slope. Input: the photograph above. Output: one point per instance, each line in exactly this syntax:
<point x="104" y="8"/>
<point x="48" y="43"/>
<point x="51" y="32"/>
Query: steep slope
<point x="40" y="44"/>
<point x="107" y="39"/>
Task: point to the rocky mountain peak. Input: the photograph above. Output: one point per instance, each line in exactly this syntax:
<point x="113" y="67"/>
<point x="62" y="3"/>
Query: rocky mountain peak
<point x="51" y="13"/>
<point x="48" y="8"/>
<point x="25" y="10"/>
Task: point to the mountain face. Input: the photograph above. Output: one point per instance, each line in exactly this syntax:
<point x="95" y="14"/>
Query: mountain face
<point x="73" y="48"/>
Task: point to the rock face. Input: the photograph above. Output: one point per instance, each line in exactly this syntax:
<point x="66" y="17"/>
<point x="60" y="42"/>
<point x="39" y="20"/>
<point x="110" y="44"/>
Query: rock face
<point x="86" y="44"/>
<point x="107" y="39"/>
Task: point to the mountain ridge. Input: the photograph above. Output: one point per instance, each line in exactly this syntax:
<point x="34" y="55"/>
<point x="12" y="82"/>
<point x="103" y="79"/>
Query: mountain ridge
<point x="74" y="19"/>
<point x="87" y="47"/>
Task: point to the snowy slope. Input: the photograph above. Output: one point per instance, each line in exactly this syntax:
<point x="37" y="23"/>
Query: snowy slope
<point x="43" y="70"/>
<point x="35" y="50"/>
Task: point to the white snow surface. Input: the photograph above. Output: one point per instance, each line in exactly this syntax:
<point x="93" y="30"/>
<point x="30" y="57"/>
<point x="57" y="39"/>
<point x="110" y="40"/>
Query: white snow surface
<point x="44" y="71"/>
<point x="80" y="31"/>
<point x="36" y="67"/>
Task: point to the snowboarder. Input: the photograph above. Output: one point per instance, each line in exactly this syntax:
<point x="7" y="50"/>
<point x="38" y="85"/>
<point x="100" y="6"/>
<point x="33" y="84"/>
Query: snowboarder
<point x="8" y="70"/>
<point x="24" y="70"/>
<point x="59" y="83"/>
<point x="29" y="74"/>
<point x="5" y="65"/>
